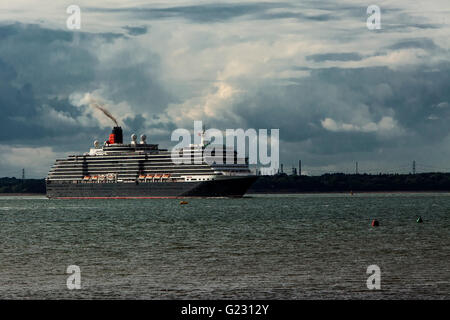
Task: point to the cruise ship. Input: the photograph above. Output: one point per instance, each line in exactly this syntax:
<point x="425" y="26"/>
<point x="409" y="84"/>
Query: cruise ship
<point x="116" y="170"/>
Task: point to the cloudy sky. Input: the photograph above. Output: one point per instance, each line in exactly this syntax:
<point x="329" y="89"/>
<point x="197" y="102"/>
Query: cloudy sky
<point x="338" y="92"/>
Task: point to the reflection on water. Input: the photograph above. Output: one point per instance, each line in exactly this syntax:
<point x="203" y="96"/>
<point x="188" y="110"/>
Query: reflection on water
<point x="259" y="247"/>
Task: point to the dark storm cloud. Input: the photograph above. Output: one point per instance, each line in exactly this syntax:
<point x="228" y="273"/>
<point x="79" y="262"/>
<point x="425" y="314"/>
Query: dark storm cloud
<point x="394" y="19"/>
<point x="136" y="82"/>
<point x="17" y="104"/>
<point x="23" y="119"/>
<point x="346" y="56"/>
<point x="24" y="116"/>
<point x="40" y="68"/>
<point x="413" y="43"/>
<point x="30" y="78"/>
<point x="206" y="13"/>
<point x="137" y="122"/>
<point x="136" y="31"/>
<point x="330" y="143"/>
<point x="221" y="12"/>
<point x="407" y="27"/>
<point x="422" y="43"/>
<point x="294" y="15"/>
<point x="409" y="96"/>
<point x="51" y="60"/>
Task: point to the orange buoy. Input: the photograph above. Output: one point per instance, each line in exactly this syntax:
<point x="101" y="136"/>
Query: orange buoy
<point x="184" y="202"/>
<point x="375" y="223"/>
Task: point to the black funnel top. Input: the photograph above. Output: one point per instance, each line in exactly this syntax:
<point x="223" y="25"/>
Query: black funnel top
<point x="117" y="131"/>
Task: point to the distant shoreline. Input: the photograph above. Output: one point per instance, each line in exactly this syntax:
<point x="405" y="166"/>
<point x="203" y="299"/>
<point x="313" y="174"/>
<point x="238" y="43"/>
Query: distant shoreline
<point x="347" y="192"/>
<point x="437" y="182"/>
<point x="22" y="194"/>
<point x="271" y="192"/>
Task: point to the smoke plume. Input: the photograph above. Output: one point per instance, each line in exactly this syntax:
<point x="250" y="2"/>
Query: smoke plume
<point x="96" y="105"/>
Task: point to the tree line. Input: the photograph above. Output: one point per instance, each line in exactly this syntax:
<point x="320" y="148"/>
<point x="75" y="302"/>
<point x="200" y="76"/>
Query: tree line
<point x="283" y="183"/>
<point x="340" y="182"/>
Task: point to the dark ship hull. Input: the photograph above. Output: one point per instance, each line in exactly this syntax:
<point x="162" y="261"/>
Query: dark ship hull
<point x="224" y="187"/>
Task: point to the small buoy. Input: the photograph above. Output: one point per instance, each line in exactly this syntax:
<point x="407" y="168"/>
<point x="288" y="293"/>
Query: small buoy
<point x="375" y="223"/>
<point x="419" y="220"/>
<point x="184" y="202"/>
<point x="351" y="192"/>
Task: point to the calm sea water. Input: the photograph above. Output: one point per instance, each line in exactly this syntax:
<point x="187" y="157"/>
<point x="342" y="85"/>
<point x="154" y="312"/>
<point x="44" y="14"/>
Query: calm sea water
<point x="258" y="247"/>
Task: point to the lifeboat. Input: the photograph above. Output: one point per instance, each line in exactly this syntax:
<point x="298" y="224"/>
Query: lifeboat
<point x="110" y="176"/>
<point x="86" y="178"/>
<point x="102" y="177"/>
<point x="165" y="176"/>
<point x="157" y="176"/>
<point x="142" y="176"/>
<point x="95" y="178"/>
<point x="149" y="176"/>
